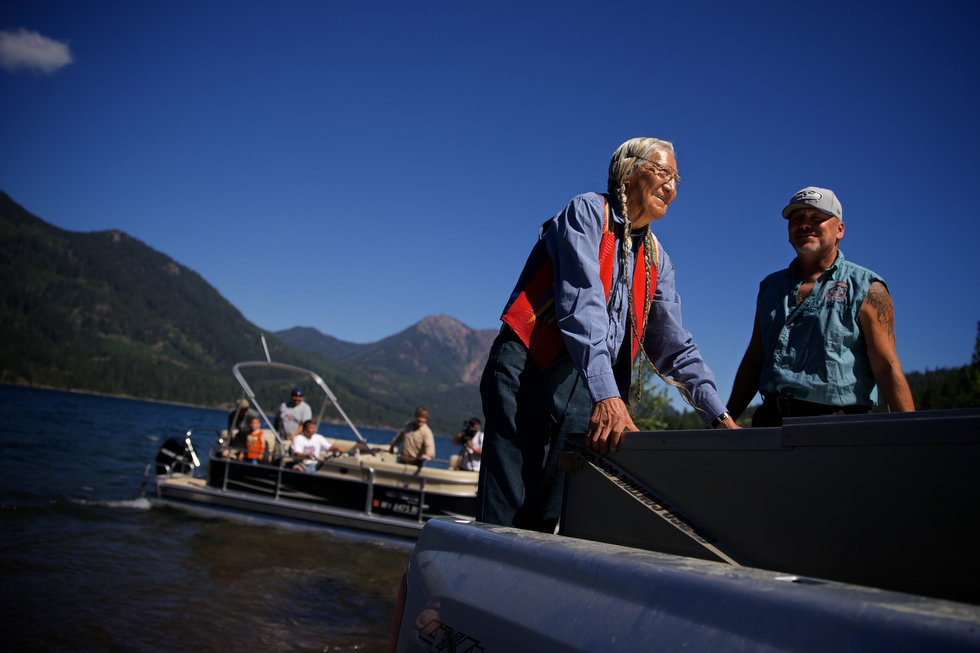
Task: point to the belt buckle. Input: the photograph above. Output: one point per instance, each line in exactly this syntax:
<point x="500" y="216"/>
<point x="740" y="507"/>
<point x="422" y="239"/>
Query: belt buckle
<point x="784" y="405"/>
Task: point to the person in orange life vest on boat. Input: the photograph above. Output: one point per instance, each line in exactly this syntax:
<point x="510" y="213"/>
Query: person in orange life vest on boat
<point x="239" y="441"/>
<point x="596" y="288"/>
<point x="250" y="442"/>
<point x="824" y="330"/>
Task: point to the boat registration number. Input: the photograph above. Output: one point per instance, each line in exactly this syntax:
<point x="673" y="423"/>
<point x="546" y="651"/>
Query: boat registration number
<point x="397" y="502"/>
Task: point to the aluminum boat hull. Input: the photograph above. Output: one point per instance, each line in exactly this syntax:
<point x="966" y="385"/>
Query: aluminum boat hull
<point x="355" y="486"/>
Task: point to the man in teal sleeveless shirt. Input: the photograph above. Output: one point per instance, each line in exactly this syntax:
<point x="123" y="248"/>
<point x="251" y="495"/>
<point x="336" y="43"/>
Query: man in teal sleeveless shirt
<point x="824" y="331"/>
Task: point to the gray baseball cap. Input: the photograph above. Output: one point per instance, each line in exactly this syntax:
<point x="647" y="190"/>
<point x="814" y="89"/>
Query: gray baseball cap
<point x="822" y="199"/>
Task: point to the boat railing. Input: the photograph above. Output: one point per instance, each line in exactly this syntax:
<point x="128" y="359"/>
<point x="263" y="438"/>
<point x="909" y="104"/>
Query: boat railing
<point x="369" y="475"/>
<point x="369" y="496"/>
<point x="223" y="451"/>
<point x="217" y="452"/>
<point x="224" y="477"/>
<point x="281" y="466"/>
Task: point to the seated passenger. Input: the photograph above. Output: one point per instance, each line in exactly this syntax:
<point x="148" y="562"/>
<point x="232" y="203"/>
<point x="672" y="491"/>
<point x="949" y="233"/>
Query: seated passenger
<point x="420" y="444"/>
<point x="238" y="441"/>
<point x="239" y="417"/>
<point x="309" y="446"/>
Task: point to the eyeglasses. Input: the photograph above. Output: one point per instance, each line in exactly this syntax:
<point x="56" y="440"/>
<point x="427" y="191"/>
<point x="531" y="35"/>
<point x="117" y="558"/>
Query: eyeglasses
<point x="666" y="173"/>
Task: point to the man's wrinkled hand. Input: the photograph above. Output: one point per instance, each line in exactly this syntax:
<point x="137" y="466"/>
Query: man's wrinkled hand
<point x="610" y="419"/>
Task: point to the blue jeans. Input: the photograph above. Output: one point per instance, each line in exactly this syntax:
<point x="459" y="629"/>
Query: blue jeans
<point x="529" y="413"/>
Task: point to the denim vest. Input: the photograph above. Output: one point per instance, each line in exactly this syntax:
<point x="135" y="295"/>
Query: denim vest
<point x="816" y="351"/>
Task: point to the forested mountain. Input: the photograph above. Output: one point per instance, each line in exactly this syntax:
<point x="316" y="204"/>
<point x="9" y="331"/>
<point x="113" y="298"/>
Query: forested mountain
<point x="438" y="348"/>
<point x="311" y="340"/>
<point x="104" y="312"/>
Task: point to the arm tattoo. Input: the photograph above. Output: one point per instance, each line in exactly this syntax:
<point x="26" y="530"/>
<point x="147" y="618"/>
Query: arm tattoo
<point x="881" y="302"/>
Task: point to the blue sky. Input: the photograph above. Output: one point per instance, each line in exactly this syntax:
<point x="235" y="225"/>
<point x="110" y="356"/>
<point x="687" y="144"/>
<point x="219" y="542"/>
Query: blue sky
<point x="355" y="167"/>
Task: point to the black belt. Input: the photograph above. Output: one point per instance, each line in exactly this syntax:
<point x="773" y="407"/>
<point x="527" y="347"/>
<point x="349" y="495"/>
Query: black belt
<point x="785" y="405"/>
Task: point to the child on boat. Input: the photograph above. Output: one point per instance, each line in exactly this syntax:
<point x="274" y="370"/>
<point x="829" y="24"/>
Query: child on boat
<point x="309" y="446"/>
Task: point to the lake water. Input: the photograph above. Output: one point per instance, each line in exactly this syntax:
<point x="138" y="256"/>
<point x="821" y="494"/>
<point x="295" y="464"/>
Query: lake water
<point x="88" y="565"/>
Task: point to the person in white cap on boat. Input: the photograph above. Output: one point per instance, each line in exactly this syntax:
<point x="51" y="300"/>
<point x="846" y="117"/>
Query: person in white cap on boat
<point x="824" y="332"/>
<point x="291" y="417"/>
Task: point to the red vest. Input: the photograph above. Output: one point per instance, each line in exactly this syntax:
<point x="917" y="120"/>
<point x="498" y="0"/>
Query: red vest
<point x="532" y="313"/>
<point x="255" y="445"/>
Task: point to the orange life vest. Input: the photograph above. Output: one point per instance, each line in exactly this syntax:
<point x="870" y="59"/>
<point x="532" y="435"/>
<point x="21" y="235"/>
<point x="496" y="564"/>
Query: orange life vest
<point x="254" y="445"/>
<point x="531" y="314"/>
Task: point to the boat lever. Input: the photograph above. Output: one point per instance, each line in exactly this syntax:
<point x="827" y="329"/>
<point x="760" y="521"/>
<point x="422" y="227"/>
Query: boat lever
<point x="635" y="488"/>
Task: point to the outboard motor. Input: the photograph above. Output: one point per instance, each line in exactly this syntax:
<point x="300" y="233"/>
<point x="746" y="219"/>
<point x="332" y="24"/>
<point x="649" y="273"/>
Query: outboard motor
<point x="176" y="457"/>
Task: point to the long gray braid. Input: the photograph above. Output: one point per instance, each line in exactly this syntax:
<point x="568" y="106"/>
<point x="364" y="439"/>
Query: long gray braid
<point x="628" y="158"/>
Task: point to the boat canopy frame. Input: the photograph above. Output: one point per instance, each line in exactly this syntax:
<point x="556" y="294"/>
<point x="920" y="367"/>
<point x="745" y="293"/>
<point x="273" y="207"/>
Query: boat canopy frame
<point x="313" y="376"/>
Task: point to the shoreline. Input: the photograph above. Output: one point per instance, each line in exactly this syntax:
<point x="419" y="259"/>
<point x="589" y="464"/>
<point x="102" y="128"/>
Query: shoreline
<point x="111" y="394"/>
<point x="226" y="407"/>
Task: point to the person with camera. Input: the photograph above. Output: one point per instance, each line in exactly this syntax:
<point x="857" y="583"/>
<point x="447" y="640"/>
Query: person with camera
<point x="471" y="437"/>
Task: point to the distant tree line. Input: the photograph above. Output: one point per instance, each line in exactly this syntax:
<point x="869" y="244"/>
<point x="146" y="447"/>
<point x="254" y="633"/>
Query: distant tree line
<point x="650" y="399"/>
<point x="957" y="387"/>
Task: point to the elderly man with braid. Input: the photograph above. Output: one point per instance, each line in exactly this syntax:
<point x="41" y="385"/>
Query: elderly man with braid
<point x="596" y="288"/>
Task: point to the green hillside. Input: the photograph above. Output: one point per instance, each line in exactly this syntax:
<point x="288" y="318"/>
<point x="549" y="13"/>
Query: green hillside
<point x="104" y="312"/>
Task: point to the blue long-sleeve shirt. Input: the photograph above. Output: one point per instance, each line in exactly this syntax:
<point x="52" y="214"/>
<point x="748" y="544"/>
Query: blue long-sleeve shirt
<point x="593" y="331"/>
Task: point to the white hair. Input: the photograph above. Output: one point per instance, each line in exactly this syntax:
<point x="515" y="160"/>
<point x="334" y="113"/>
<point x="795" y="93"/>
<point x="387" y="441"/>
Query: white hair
<point x="629" y="156"/>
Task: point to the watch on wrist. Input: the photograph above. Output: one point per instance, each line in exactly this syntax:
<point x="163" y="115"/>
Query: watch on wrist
<point x="716" y="422"/>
